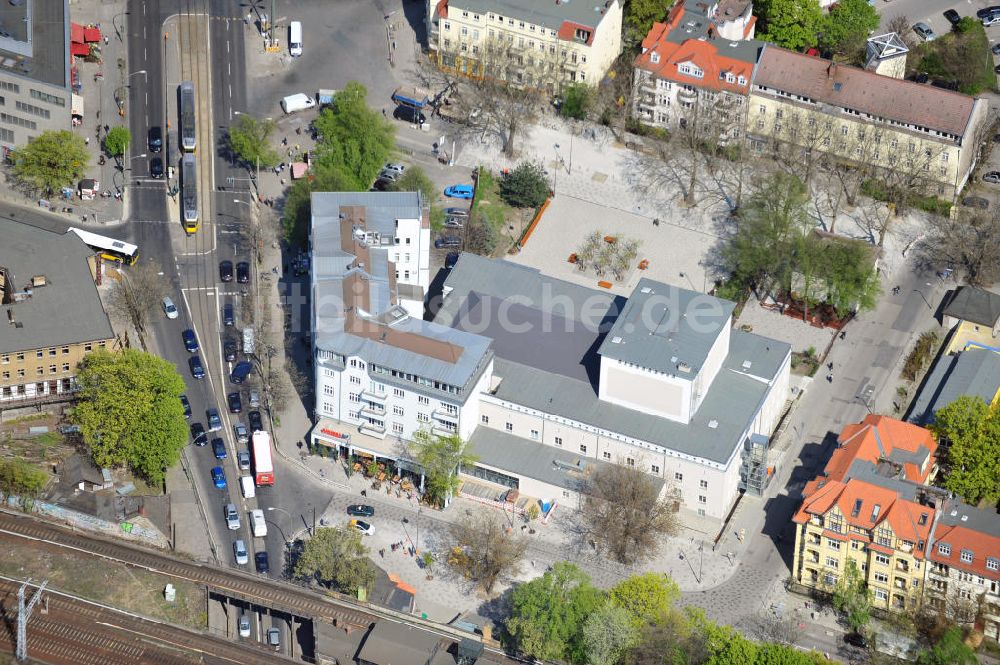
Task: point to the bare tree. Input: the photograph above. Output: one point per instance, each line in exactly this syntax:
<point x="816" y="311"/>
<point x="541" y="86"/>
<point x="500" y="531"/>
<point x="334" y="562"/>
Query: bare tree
<point x="900" y="24"/>
<point x="137" y="293"/>
<point x="486" y="548"/>
<point x="874" y="219"/>
<point x="766" y="627"/>
<point x="970" y="243"/>
<point x="625" y="513"/>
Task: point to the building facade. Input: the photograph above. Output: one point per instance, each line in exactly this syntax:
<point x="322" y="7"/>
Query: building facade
<point x="35" y="75"/>
<point x="46" y="279"/>
<point x="549" y="44"/>
<point x="912" y="135"/>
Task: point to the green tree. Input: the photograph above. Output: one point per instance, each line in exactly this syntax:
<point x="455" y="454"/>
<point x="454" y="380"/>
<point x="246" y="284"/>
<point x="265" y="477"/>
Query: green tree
<point x="129" y="412"/>
<point x="336" y="558"/>
<point x="846" y="28"/>
<point x="297" y="214"/>
<point x="20" y="478"/>
<point x="848" y="272"/>
<point x="249" y="140"/>
<point x="792" y="24"/>
<point x="441" y="457"/>
<point x="548" y="613"/>
<point x="641" y="14"/>
<point x="116" y="141"/>
<point x="353" y="137"/>
<point x="647" y="598"/>
<point x="852" y="597"/>
<point x="577" y="98"/>
<point x="972" y="429"/>
<point x="607" y="634"/>
<point x="51" y="160"/>
<point x="526" y="186"/>
<point x="949" y="650"/>
<point x="415" y="180"/>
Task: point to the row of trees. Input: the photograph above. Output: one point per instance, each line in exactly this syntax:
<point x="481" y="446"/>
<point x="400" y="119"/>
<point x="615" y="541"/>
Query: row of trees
<point x="58" y="158"/>
<point x="801" y="24"/>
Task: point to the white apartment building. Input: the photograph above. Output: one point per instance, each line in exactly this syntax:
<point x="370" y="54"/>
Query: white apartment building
<point x="578" y="39"/>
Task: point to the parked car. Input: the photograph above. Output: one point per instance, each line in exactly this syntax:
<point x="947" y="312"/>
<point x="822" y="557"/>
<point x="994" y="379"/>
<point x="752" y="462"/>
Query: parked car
<point x="388" y="174"/>
<point x="156" y="168"/>
<point x="226" y="271"/>
<point x="186" y="405"/>
<point x="857" y="640"/>
<point x="451" y="260"/>
<point x="219" y="477"/>
<point x="198" y="436"/>
<point x="952" y="16"/>
<point x="924" y="31"/>
<point x="274" y="638"/>
<point x="447" y="241"/>
<point x="409" y="114"/>
<point x="197" y="369"/>
<point x="996" y="49"/>
<point x="361" y="510"/>
<point x="364" y="527"/>
<point x="228" y="315"/>
<point x="241" y="371"/>
<point x="240" y="433"/>
<point x="398" y="168"/>
<point x="992" y="177"/>
<point x="459" y="191"/>
<point x="456" y="212"/>
<point x="921" y="77"/>
<point x="169" y="309"/>
<point x="454" y="222"/>
<point x="243" y="460"/>
<point x="242" y="272"/>
<point x="229" y="349"/>
<point x="244" y="625"/>
<point x="254" y="399"/>
<point x="219" y="448"/>
<point x="256" y="422"/>
<point x="381" y="185"/>
<point x="154" y="139"/>
<point x="235" y="402"/>
<point x="190" y="340"/>
<point x="232" y="517"/>
<point x="260" y="560"/>
<point x="992" y="17"/>
<point x="214" y="422"/>
<point x="976" y="202"/>
<point x="986" y="11"/>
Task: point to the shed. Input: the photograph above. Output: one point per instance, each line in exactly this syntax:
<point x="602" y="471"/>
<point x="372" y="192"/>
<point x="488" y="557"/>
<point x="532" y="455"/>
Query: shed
<point x="83" y="474"/>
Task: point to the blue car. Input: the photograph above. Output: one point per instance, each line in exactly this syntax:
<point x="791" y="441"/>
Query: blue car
<point x="190" y="341"/>
<point x="219" y="477"/>
<point x="197" y="369"/>
<point x="240" y="372"/>
<point x="459" y="191"/>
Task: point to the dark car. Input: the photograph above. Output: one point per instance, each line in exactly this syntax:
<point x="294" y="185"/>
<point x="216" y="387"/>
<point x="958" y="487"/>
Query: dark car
<point x="226" y="271"/>
<point x="219" y="477"/>
<point x="228" y="316"/>
<point x="256" y="422"/>
<point x="242" y="272"/>
<point x="856" y="639"/>
<point x="235" y="402"/>
<point x="198" y="436"/>
<point x="241" y="372"/>
<point x="976" y="202"/>
<point x="155" y="139"/>
<point x="921" y="77"/>
<point x="186" y="405"/>
<point x="450" y="260"/>
<point x="361" y="510"/>
<point x="197" y="369"/>
<point x="190" y="340"/>
<point x="987" y="11"/>
<point x="447" y="241"/>
<point x="219" y="448"/>
<point x="229" y="349"/>
<point x="381" y="185"/>
<point x="409" y="114"/>
<point x="214" y="421"/>
<point x="260" y="560"/>
<point x="156" y="168"/>
<point x="952" y="16"/>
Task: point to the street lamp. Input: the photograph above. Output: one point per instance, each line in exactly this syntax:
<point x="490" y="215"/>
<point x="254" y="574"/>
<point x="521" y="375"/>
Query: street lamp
<point x="555" y="169"/>
<point x="114" y="21"/>
<point x="287" y="514"/>
<point x="925" y="299"/>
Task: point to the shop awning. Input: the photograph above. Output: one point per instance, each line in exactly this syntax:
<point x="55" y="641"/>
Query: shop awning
<point x="76" y="105"/>
<point x="299" y="169"/>
<point x="77" y="49"/>
<point x="76" y="33"/>
<point x="91" y="34"/>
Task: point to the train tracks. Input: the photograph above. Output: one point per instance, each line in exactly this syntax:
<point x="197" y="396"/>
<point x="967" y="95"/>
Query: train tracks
<point x="260" y="591"/>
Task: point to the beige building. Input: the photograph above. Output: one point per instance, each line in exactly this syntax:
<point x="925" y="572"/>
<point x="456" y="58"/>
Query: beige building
<point x="913" y="135"/>
<point x="549" y="43"/>
<point x="52" y="314"/>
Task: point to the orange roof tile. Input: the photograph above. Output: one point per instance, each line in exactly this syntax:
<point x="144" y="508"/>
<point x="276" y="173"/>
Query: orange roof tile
<point x="960" y="537"/>
<point x="874" y="439"/>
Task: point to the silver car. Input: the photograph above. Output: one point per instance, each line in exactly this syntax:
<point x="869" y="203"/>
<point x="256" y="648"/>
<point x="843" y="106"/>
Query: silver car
<point x="232" y="517"/>
<point x="924" y="31"/>
<point x="240" y="552"/>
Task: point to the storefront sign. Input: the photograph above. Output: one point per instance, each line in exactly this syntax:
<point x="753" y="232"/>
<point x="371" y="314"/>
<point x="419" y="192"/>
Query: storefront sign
<point x="336" y="435"/>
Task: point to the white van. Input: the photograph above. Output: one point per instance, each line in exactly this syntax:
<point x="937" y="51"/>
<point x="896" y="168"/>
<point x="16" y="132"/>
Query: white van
<point x="295" y="103"/>
<point x="249" y="489"/>
<point x="257" y="525"/>
<point x="295" y="39"/>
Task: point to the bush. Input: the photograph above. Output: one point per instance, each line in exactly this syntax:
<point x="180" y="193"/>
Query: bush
<point x="921" y="353"/>
<point x="20" y="478"/>
<point x="577" y="101"/>
<point x="931" y="204"/>
<point x="526" y="186"/>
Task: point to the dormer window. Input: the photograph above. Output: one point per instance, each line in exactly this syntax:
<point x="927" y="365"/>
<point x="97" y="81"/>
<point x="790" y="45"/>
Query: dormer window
<point x="966" y="556"/>
<point x="582" y="35"/>
<point x="944" y="549"/>
<point x="742" y="80"/>
<point x="654" y="58"/>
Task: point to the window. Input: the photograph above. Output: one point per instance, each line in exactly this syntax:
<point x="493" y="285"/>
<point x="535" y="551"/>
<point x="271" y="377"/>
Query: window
<point x="606" y="455"/>
<point x="509" y="426"/>
<point x="881" y="578"/>
<point x="20" y="373"/>
<point x="678" y="477"/>
<point x="17" y="120"/>
<point x="354" y="397"/>
<point x="762" y="110"/>
<point x="328" y="390"/>
<point x="423" y="417"/>
<point x="33" y="110"/>
<point x="398" y="392"/>
<point x="39" y="353"/>
<point x="356" y="380"/>
<point x="6" y="375"/>
<point x="397" y="428"/>
<point x="703" y="484"/>
<point x="5" y="359"/>
<point x="559" y="441"/>
<point x="944" y="549"/>
<point x="831" y="562"/>
<point x="534" y="434"/>
<point x="654" y="468"/>
<point x="992" y="564"/>
<point x="20" y="356"/>
<point x="566" y="494"/>
<point x="465" y="32"/>
<point x="844" y="130"/>
<point x="10" y="87"/>
<point x="880" y="594"/>
<point x="966" y="556"/>
<point x="881" y="559"/>
<point x="52" y="369"/>
<point x="65" y="367"/>
<point x="447" y="25"/>
<point x="485" y="419"/>
<point x="833" y="544"/>
<point x="40" y="371"/>
<point x="397" y="411"/>
<point x="702" y="498"/>
<point x="45" y="97"/>
<point x="423" y="400"/>
<point x="944" y="157"/>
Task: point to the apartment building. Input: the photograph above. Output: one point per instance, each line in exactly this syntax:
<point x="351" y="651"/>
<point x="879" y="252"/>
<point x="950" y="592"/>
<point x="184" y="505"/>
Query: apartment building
<point x="963" y="579"/>
<point x="35" y="76"/>
<point x="918" y="136"/>
<point x="46" y="280"/>
<point x="549" y="43"/>
<point x="379" y="367"/>
<point x="871" y="506"/>
<point x="690" y="72"/>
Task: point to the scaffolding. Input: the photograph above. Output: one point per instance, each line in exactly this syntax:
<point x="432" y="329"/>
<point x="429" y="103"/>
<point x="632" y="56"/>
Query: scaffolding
<point x="755" y="472"/>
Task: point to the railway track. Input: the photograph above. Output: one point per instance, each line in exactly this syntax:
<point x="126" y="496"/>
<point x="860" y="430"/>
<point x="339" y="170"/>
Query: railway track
<point x="66" y="630"/>
<point x="261" y="591"/>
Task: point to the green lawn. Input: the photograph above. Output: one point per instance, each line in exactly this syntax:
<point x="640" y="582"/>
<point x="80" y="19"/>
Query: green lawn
<point x="963" y="56"/>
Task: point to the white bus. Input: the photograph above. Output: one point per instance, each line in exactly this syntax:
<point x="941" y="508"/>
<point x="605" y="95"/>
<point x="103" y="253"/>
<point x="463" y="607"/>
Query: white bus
<point x="109" y="248"/>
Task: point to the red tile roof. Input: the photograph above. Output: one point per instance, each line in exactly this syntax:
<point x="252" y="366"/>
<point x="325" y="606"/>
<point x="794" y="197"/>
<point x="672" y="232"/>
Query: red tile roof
<point x="860" y="90"/>
<point x="702" y="53"/>
<point x="874" y="439"/>
<point x="567" y="32"/>
<point x="960" y="537"/>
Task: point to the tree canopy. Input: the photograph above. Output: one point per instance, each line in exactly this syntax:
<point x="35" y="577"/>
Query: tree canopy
<point x="441" y="456"/>
<point x="640" y="16"/>
<point x="353" y="137"/>
<point x="607" y="634"/>
<point x="792" y="24"/>
<point x="488" y="549"/>
<point x="249" y="140"/>
<point x="846" y="27"/>
<point x="336" y="558"/>
<point x="136" y="294"/>
<point x="51" y="160"/>
<point x="117" y="140"/>
<point x="646" y="598"/>
<point x="576" y="101"/>
<point x="526" y="186"/>
<point x="21" y="478"/>
<point x="129" y="412"/>
<point x="852" y="597"/>
<point x="949" y="650"/>
<point x="971" y="428"/>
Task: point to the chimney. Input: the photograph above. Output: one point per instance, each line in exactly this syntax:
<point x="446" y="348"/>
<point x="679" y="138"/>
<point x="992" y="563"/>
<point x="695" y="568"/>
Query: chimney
<point x="831" y="69"/>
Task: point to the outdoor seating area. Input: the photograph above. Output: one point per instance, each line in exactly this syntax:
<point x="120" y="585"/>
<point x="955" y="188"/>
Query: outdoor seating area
<point x="384" y="475"/>
<point x="607" y="255"/>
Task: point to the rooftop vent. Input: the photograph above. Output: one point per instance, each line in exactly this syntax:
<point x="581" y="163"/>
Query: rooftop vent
<point x="713" y="424"/>
<point x="616" y="340"/>
<point x="645" y="289"/>
<point x="673" y="359"/>
<point x="38" y="280"/>
<point x="684" y="367"/>
<point x="747" y="364"/>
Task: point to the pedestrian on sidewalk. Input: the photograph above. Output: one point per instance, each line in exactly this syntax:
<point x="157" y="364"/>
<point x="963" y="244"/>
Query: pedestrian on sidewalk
<point x="829" y="378"/>
<point x="86" y="140"/>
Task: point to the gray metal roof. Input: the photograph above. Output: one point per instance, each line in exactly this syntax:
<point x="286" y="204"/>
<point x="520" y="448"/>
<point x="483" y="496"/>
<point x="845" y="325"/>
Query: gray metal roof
<point x="664" y="327"/>
<point x="44" y="56"/>
<point x="958" y="513"/>
<point x="392" y="643"/>
<point x="548" y="13"/>
<point x="532" y="459"/>
<point x="67" y="310"/>
<point x="970" y="303"/>
<point x="382" y="208"/>
<point x="971" y="372"/>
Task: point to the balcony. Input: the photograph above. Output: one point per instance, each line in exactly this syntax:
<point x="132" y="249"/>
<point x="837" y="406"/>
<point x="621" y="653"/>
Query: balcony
<point x="902" y="566"/>
<point x="438" y="430"/>
<point x="372" y="429"/>
<point x="373" y="409"/>
<point x="371" y="395"/>
<point x="687" y="94"/>
<point x="446" y="416"/>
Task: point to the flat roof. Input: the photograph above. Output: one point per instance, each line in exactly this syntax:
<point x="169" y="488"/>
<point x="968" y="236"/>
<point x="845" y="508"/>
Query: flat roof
<point x="972" y="372"/>
<point x="35" y="40"/>
<point x="549" y="14"/>
<point x="69" y="295"/>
